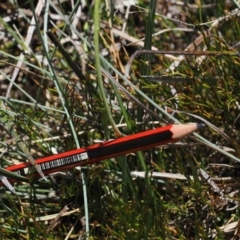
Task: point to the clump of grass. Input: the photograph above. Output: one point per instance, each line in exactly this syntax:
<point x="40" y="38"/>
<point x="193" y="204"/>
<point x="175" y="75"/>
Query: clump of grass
<point x="73" y="83"/>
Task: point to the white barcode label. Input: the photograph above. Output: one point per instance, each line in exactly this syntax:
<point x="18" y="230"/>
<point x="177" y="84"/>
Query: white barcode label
<point x="56" y="163"/>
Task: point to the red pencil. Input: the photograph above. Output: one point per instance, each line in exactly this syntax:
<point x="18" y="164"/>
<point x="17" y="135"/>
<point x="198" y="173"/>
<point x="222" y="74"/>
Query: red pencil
<point x="109" y="149"/>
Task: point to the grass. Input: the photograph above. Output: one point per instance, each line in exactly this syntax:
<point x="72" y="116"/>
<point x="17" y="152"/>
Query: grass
<point x="76" y="81"/>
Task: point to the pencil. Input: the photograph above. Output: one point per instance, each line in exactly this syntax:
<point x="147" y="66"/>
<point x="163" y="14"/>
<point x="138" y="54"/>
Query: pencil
<point x="106" y="150"/>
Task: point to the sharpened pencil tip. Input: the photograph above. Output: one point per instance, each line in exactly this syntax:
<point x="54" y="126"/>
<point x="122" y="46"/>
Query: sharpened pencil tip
<point x="200" y="125"/>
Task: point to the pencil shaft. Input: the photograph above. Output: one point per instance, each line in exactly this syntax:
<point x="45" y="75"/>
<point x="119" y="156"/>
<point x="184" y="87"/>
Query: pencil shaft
<point x="109" y="149"/>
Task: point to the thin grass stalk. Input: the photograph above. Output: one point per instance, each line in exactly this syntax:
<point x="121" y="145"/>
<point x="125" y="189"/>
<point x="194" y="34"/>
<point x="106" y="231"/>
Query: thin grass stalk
<point x="146" y="59"/>
<point x="237" y="3"/>
<point x="202" y="139"/>
<point x="26" y="42"/>
<point x="9" y="101"/>
<point x="57" y="84"/>
<point x="18" y="87"/>
<point x="145" y="68"/>
<point x="25" y="62"/>
<point x="67" y="57"/>
<point x="45" y="39"/>
<point x="12" y="175"/>
<point x="99" y="74"/>
<point x="122" y="161"/>
<point x="8" y="124"/>
<point x="79" y="73"/>
<point x="60" y="92"/>
<point x="126" y="181"/>
<point x="120" y="102"/>
<point x="68" y="23"/>
<point x="13" y="33"/>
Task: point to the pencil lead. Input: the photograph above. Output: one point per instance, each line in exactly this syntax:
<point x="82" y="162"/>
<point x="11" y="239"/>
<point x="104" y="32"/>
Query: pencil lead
<point x="200" y="125"/>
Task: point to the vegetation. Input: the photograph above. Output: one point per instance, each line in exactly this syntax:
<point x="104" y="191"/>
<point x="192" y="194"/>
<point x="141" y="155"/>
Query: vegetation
<point x="72" y="73"/>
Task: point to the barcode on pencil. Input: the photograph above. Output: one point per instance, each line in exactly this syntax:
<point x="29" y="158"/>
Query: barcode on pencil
<point x="56" y="163"/>
<point x="64" y="161"/>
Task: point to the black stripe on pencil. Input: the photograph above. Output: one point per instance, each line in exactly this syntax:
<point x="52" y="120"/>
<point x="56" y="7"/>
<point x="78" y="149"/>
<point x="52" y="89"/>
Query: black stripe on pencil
<point x="109" y="149"/>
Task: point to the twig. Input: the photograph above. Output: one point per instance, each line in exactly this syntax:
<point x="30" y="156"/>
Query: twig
<point x="27" y="41"/>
